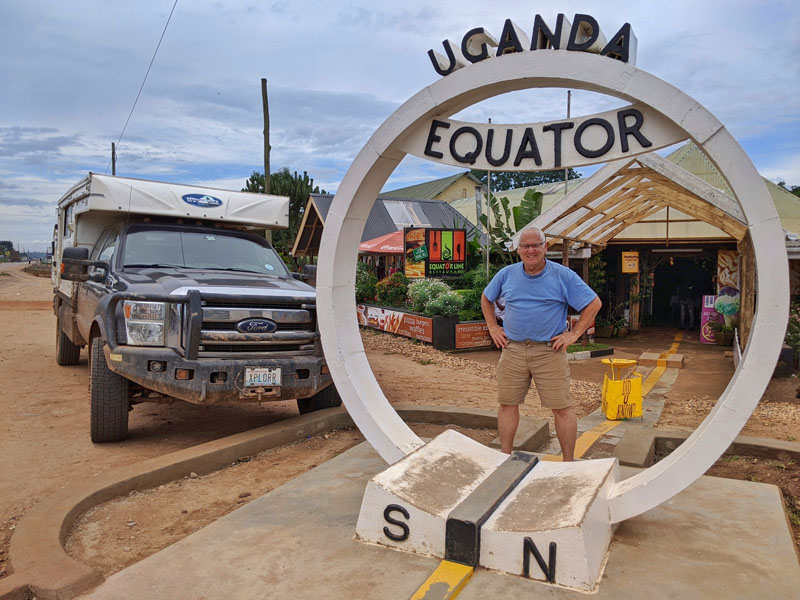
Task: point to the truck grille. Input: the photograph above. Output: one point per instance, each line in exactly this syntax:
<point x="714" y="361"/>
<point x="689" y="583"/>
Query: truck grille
<point x="296" y="331"/>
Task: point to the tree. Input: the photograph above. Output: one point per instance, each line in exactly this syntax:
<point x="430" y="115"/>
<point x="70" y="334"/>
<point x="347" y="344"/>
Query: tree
<point x="795" y="189"/>
<point x="509" y="180"/>
<point x="283" y="183"/>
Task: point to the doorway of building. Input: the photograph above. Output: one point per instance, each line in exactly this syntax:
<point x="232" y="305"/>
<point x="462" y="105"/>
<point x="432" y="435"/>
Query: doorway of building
<point x="681" y="279"/>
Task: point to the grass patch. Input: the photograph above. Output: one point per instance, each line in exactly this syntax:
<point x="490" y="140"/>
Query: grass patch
<point x="425" y="361"/>
<point x="5" y="274"/>
<point x="581" y="347"/>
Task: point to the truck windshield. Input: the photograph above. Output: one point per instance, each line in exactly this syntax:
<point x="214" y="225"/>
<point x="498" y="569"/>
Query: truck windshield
<point x="200" y="250"/>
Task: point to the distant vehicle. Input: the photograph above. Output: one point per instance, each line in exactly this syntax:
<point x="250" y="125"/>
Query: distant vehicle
<point x="177" y="297"/>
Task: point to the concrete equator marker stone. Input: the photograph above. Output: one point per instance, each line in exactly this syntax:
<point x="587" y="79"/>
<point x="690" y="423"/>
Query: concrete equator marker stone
<point x="362" y="395"/>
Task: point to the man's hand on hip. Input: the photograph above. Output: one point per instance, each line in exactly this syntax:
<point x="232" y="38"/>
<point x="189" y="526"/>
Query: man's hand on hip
<point x="562" y="340"/>
<point x="498" y="335"/>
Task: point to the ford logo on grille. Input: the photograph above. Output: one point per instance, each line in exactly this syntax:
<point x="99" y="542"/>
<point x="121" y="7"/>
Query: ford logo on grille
<point x="202" y="200"/>
<point x="256" y="326"/>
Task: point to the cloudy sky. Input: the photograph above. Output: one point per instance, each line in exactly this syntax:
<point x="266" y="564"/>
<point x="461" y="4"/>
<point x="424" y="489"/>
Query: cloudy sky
<point x="70" y="72"/>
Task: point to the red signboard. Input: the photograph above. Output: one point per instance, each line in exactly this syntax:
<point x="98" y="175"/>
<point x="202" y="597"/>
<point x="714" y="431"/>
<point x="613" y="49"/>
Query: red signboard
<point x="473" y="335"/>
<point x="395" y="321"/>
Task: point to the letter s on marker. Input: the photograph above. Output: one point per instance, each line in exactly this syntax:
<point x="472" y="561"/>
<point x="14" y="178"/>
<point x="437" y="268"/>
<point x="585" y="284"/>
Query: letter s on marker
<point x="387" y="515"/>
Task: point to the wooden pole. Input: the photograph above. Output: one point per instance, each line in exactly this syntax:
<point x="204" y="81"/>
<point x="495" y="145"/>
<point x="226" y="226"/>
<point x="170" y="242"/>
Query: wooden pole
<point x="265" y="103"/>
<point x="585" y="277"/>
<point x="635" y="304"/>
<point x="113" y="158"/>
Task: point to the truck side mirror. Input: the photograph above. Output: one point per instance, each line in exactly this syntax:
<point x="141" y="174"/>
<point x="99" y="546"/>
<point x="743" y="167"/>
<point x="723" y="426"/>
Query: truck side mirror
<point x="99" y="274"/>
<point x="74" y="264"/>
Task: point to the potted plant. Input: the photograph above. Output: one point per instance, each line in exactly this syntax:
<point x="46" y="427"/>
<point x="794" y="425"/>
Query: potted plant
<point x="620" y="327"/>
<point x="723" y="333"/>
<point x="603" y="328"/>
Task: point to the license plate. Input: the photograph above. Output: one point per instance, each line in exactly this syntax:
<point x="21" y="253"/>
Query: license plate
<point x="262" y="377"/>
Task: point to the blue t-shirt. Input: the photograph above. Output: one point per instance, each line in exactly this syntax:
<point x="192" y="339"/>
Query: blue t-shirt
<point x="536" y="305"/>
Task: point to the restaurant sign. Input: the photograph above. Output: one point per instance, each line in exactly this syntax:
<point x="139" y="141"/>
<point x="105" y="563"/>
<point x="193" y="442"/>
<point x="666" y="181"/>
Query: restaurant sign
<point x="435" y="252"/>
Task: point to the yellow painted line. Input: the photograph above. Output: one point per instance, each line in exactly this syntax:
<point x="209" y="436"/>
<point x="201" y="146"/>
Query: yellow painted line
<point x="588" y="438"/>
<point x="454" y="575"/>
<point x="661" y="363"/>
<point x="652" y="379"/>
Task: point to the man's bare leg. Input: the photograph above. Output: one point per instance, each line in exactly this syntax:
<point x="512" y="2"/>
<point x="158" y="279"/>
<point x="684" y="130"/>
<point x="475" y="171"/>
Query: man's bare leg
<point x="566" y="424"/>
<point x="507" y="422"/>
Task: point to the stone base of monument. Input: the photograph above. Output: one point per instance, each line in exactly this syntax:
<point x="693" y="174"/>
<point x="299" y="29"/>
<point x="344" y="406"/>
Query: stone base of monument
<point x="457" y="499"/>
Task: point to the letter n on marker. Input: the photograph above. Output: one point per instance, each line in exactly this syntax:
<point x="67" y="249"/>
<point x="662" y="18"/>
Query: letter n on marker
<point x="549" y="571"/>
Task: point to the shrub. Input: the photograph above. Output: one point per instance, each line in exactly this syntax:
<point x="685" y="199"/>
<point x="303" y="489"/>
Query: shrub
<point x="365" y="283"/>
<point x="474" y="282"/>
<point x="447" y="304"/>
<point x="391" y="291"/>
<point x="471" y="310"/>
<point x="422" y="291"/>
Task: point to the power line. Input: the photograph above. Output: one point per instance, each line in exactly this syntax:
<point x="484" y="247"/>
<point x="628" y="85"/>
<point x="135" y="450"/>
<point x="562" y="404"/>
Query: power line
<point x="141" y="87"/>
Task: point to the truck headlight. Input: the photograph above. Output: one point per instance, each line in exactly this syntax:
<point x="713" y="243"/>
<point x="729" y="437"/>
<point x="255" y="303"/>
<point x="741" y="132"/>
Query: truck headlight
<point x="144" y="322"/>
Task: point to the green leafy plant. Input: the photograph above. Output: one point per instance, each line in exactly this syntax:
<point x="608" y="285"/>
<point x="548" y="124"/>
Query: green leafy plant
<point x="529" y="208"/>
<point x="422" y="291"/>
<point x="365" y="283"/>
<point x="722" y="327"/>
<point x="447" y="305"/>
<point x="391" y="290"/>
<point x="597" y="274"/>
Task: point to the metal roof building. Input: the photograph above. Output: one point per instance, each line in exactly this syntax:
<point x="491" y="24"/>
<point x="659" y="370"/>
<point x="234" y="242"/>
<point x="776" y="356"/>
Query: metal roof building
<point x="387" y="216"/>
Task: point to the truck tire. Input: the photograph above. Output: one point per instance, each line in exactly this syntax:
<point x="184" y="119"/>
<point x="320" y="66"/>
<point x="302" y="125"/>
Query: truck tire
<point x="67" y="353"/>
<point x="327" y="398"/>
<point x="108" y="393"/>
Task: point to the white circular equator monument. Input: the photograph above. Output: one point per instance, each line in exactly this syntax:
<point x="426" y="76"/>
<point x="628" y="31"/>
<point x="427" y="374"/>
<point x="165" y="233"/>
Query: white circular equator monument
<point x="344" y="225"/>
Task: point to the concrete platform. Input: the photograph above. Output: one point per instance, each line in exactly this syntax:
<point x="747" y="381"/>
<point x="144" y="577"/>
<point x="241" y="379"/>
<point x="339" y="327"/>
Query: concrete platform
<point x="718" y="539"/>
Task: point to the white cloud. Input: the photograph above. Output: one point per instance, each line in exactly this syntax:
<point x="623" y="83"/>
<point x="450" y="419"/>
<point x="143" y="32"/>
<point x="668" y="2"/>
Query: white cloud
<point x="785" y="168"/>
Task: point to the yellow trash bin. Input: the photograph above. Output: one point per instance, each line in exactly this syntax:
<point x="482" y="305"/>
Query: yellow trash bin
<point x="622" y="393"/>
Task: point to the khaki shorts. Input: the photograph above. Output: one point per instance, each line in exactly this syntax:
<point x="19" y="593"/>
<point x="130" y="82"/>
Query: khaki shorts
<point x="521" y="361"/>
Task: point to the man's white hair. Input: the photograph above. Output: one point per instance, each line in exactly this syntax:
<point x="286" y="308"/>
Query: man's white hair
<point x="515" y="240"/>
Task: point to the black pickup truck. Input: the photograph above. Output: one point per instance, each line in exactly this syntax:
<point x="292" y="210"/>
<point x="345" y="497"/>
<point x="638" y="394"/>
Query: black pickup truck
<point x="205" y="314"/>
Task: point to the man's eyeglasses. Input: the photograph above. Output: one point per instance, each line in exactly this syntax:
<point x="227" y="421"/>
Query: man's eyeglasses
<point x="529" y="246"/>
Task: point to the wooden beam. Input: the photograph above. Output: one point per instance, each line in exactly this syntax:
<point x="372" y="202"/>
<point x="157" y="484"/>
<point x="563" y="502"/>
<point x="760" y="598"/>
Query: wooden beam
<point x="623" y="212"/>
<point x="625" y="223"/>
<point x="569" y="239"/>
<point x="747" y="284"/>
<point x="601" y="208"/>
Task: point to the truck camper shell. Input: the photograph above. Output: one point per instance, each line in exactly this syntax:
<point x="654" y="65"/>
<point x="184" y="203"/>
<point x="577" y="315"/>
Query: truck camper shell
<point x="98" y="201"/>
<point x="154" y="198"/>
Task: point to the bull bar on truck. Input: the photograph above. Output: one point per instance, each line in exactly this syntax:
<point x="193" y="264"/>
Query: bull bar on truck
<point x="156" y="367"/>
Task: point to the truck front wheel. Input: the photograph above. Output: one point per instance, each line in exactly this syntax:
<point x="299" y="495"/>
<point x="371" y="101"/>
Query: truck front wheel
<point x="108" y="393"/>
<point x="327" y="398"/>
<point x="67" y="353"/>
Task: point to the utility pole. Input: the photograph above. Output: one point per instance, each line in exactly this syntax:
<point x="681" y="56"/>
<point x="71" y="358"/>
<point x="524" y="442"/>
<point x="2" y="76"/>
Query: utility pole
<point x="265" y="103"/>
<point x="566" y="171"/>
<point x="113" y="158"/>
<point x="479" y="213"/>
<point x="488" y="214"/>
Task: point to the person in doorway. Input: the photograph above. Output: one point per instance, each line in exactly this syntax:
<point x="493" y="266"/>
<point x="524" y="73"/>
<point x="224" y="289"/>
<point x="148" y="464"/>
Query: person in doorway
<point x="687" y="305"/>
<point x="534" y="337"/>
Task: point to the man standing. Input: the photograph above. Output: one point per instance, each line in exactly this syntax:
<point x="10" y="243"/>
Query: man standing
<point x="534" y="337"/>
